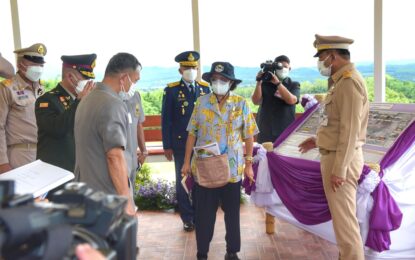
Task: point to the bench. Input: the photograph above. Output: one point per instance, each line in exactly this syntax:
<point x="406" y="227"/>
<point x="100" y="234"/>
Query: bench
<point x="152" y="135"/>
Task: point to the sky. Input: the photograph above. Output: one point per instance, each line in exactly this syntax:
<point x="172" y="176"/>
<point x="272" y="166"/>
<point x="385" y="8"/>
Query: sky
<point x="243" y="32"/>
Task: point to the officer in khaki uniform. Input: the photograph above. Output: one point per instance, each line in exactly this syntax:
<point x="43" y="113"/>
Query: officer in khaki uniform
<point x="18" y="130"/>
<point x="340" y="138"/>
<point x="55" y="111"/>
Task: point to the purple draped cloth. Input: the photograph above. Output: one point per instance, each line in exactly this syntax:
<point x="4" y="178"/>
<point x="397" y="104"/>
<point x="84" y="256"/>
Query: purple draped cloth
<point x="249" y="187"/>
<point x="386" y="215"/>
<point x="298" y="183"/>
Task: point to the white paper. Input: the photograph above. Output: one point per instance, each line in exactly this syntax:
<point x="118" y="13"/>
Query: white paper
<point x="184" y="184"/>
<point x="206" y="150"/>
<point x="37" y="178"/>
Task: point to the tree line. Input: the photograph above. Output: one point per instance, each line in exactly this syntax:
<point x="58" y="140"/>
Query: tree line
<point x="397" y="91"/>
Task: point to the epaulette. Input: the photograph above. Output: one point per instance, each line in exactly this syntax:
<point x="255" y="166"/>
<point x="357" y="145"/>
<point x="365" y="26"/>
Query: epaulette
<point x="347" y="74"/>
<point x="7" y="82"/>
<point x="203" y="83"/>
<point x="56" y="91"/>
<point x="173" y="84"/>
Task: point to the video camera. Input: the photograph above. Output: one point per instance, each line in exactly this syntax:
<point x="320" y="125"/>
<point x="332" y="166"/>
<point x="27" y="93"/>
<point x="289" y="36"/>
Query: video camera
<point x="75" y="215"/>
<point x="269" y="67"/>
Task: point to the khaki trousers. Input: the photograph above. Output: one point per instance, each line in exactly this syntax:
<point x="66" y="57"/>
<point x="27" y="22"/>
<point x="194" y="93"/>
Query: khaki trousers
<point x="342" y="205"/>
<point x="19" y="156"/>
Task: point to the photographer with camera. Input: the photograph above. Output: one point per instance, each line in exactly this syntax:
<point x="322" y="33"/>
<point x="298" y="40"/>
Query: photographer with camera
<point x="276" y="94"/>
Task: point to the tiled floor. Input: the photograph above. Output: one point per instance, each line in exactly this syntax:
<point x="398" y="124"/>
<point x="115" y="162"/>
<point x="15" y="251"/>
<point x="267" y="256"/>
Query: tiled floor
<point x="161" y="236"/>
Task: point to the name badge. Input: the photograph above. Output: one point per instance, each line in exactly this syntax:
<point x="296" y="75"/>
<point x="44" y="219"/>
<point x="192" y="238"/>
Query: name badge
<point x="130" y="119"/>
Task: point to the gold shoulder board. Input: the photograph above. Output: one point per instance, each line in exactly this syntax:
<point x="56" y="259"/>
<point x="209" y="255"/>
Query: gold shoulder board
<point x="173" y="84"/>
<point x="203" y="83"/>
<point x="347" y="74"/>
<point x="7" y="82"/>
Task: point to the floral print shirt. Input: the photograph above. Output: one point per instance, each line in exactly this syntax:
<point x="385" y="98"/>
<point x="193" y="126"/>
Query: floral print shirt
<point x="227" y="126"/>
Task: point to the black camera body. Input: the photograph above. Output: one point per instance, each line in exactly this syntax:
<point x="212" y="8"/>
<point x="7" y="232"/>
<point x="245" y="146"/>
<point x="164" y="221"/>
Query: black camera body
<point x="269" y="67"/>
<point x="77" y="214"/>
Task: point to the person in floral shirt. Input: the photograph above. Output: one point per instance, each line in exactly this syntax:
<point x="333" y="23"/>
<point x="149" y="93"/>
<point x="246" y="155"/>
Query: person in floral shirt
<point x="225" y="118"/>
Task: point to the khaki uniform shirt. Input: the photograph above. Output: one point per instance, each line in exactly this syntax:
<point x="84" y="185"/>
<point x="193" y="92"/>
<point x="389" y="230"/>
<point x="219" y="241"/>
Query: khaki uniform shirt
<point x="17" y="113"/>
<point x="346" y="112"/>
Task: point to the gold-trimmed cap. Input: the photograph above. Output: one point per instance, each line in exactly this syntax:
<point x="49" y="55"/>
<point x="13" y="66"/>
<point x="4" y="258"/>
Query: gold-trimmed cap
<point x="322" y="43"/>
<point x="85" y="64"/>
<point x="188" y="58"/>
<point x="34" y="53"/>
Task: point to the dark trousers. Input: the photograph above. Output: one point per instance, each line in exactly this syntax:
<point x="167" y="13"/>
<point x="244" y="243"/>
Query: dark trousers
<point x="185" y="207"/>
<point x="206" y="204"/>
<point x="266" y="137"/>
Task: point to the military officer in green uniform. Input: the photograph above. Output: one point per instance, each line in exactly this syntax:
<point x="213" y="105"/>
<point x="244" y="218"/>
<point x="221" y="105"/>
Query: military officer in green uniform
<point x="18" y="130"/>
<point x="178" y="102"/>
<point x="55" y="111"/>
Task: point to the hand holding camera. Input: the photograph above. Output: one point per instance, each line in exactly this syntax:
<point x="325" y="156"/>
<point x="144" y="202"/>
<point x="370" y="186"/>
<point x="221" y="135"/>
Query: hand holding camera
<point x="259" y="76"/>
<point x="274" y="79"/>
<point x="269" y="68"/>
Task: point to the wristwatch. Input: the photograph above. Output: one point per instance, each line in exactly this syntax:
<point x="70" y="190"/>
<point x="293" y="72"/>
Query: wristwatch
<point x="249" y="158"/>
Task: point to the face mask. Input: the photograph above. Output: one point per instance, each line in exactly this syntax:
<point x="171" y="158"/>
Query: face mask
<point x="122" y="94"/>
<point x="283" y="73"/>
<point x="80" y="86"/>
<point x="190" y="75"/>
<point x="131" y="91"/>
<point x="324" y="71"/>
<point x="33" y="73"/>
<point x="126" y="95"/>
<point x="220" y="87"/>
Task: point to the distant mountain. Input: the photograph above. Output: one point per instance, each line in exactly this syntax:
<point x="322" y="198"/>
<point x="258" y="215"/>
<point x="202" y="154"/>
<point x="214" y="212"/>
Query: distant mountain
<point x="158" y="77"/>
<point x="405" y="72"/>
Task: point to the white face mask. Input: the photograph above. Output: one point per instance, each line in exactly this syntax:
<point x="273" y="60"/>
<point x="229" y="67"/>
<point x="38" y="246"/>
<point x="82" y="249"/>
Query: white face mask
<point x="127" y="95"/>
<point x="190" y="75"/>
<point x="33" y="73"/>
<point x="122" y="94"/>
<point x="220" y="87"/>
<point x="131" y="92"/>
<point x="324" y="71"/>
<point x="80" y="86"/>
<point x="283" y="73"/>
